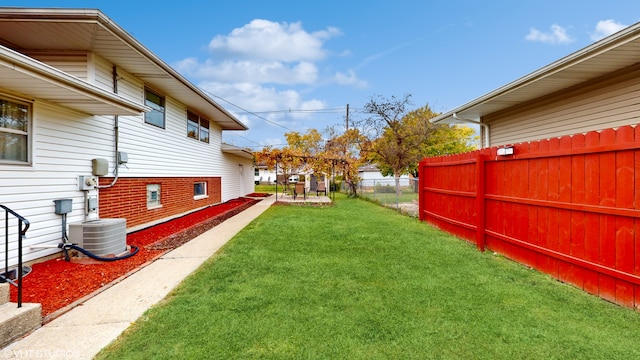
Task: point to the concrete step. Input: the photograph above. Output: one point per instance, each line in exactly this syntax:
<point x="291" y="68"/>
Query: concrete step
<point x="18" y="321"/>
<point x="4" y="293"/>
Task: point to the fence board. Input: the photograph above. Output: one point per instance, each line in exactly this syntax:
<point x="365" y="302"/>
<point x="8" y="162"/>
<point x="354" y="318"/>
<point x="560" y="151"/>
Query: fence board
<point x="624" y="244"/>
<point x="636" y="203"/>
<point x="592" y="220"/>
<point x="607" y="284"/>
<point x="575" y="273"/>
<point x="564" y="216"/>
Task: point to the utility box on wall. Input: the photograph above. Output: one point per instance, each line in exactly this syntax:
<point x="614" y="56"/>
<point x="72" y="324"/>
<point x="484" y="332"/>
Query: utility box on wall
<point x="63" y="206"/>
<point x="87" y="182"/>
<point x="99" y="167"/>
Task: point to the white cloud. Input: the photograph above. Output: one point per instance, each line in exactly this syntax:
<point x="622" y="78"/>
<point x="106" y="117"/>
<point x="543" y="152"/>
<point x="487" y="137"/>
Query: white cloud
<point x="266" y="52"/>
<point x="268" y="40"/>
<point x="557" y="35"/>
<point x="261" y="72"/>
<point x="349" y="78"/>
<point x="605" y="28"/>
<point x="266" y="66"/>
<point x="257" y="98"/>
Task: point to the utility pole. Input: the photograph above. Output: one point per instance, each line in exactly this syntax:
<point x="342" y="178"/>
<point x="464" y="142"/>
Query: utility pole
<point x="347" y="119"/>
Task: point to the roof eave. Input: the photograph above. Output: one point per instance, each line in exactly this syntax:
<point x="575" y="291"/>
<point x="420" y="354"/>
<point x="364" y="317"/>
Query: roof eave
<point x="234" y="150"/>
<point x="473" y="109"/>
<point x="232" y="122"/>
<point x="21" y="73"/>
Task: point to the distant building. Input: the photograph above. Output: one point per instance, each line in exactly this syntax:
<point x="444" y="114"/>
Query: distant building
<point x="370" y="175"/>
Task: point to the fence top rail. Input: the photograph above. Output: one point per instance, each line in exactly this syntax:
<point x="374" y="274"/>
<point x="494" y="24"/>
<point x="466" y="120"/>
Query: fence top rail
<point x="624" y="138"/>
<point x="451" y="163"/>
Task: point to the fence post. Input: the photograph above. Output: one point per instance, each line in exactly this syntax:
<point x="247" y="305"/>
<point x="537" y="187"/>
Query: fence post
<point x="480" y="206"/>
<point x="422" y="201"/>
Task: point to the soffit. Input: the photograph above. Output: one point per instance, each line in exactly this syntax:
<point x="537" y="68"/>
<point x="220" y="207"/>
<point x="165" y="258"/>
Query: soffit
<point x="234" y="150"/>
<point x="27" y="77"/>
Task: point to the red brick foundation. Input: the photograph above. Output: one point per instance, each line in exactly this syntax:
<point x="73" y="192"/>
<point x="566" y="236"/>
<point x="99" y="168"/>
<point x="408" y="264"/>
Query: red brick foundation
<point x="128" y="198"/>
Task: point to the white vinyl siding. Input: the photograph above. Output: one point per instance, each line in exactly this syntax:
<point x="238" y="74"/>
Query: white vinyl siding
<point x="128" y="86"/>
<point x="168" y="152"/>
<point x="235" y="184"/>
<point x="65" y="141"/>
<point x="64" y="144"/>
<point x="74" y="63"/>
<point x="595" y="106"/>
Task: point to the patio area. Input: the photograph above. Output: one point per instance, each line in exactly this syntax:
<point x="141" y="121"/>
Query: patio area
<point x="300" y="199"/>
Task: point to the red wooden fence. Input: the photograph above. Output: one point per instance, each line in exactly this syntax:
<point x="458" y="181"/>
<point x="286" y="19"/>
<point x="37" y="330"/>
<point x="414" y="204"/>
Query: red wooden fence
<point x="566" y="206"/>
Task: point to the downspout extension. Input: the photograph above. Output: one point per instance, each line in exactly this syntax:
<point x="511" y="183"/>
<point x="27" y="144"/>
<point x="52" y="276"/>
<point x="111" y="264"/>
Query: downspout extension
<point x="483" y="125"/>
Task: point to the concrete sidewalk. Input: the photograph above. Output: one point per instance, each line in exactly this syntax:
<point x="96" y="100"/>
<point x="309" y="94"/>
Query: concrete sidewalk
<point x="83" y="331"/>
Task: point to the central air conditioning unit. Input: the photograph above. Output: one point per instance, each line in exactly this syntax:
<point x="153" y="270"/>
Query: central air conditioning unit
<point x="100" y="237"/>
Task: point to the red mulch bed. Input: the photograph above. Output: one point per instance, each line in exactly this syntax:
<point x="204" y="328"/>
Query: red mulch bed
<point x="258" y="195"/>
<point x="58" y="283"/>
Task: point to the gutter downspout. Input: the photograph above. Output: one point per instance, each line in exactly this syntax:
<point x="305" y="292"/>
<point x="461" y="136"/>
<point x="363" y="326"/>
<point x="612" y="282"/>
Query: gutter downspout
<point x="483" y="125"/>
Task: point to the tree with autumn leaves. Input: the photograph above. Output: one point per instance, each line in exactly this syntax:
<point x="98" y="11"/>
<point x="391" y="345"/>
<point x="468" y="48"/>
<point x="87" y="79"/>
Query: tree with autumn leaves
<point x="399" y="139"/>
<point x="392" y="138"/>
<point x="339" y="154"/>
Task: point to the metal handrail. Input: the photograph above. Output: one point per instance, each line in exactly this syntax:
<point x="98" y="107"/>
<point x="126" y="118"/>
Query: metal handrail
<point x="23" y="226"/>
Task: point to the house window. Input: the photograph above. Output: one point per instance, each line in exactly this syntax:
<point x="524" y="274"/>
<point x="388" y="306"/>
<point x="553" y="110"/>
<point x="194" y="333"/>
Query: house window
<point x="197" y="127"/>
<point x="153" y="196"/>
<point x="156" y="103"/>
<point x="256" y="172"/>
<point x="14" y="131"/>
<point x="200" y="189"/>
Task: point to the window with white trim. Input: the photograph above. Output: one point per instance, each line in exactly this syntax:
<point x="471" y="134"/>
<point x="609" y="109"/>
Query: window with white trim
<point x="197" y="127"/>
<point x="156" y="102"/>
<point x="14" y="131"/>
<point x="200" y="189"/>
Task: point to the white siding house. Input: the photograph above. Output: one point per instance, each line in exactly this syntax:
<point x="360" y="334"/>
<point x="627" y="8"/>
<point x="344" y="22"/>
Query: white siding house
<point x="76" y="92"/>
<point x="592" y="89"/>
<point x="370" y="175"/>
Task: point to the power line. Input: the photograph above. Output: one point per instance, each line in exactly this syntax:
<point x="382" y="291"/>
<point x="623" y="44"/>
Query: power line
<point x="247" y="111"/>
<point x="291" y="111"/>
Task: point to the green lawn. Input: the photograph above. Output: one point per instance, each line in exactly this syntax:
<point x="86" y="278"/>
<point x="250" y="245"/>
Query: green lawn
<point x="359" y="281"/>
<point x="267" y="188"/>
<point x="390" y="198"/>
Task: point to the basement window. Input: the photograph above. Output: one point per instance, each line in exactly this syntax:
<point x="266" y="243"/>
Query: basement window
<point x="200" y="190"/>
<point x="153" y="196"/>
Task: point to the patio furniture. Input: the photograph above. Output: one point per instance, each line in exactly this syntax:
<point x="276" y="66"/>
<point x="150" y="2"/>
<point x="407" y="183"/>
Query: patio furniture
<point x="321" y="188"/>
<point x="299" y="189"/>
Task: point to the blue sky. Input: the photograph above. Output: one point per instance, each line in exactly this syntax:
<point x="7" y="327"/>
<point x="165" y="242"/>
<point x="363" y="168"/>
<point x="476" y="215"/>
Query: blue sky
<point x="283" y="66"/>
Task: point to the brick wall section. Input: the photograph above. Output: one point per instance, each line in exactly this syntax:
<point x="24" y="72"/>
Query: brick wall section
<point x="128" y="198"/>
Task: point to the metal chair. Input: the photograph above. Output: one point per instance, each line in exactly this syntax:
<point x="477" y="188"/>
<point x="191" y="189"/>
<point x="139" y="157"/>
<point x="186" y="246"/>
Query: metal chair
<point x="299" y="189"/>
